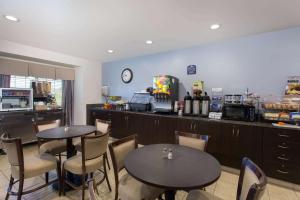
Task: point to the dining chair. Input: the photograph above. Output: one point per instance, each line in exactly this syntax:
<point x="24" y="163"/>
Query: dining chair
<point x="28" y="167"/>
<point x="192" y="140"/>
<point x="127" y="187"/>
<point x="92" y="188"/>
<point x="102" y="127"/>
<point x="251" y="185"/>
<point x="54" y="147"/>
<point x="91" y="159"/>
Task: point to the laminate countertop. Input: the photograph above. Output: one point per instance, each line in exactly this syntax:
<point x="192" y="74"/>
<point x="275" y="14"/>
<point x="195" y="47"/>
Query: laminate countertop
<point x="234" y="122"/>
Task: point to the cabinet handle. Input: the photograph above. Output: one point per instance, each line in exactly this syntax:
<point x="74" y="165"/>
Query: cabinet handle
<point x="281" y="158"/>
<point x="195" y="126"/>
<point x="155" y="122"/>
<point x="283" y="135"/>
<point x="282" y="172"/>
<point x="283" y="147"/>
<point x="158" y="122"/>
<point x="238" y="132"/>
<point x="191" y="126"/>
<point x="232" y="131"/>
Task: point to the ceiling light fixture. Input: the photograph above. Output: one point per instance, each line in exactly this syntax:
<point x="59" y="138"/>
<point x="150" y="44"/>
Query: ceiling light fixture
<point x="149" y="42"/>
<point x="11" y="18"/>
<point x="215" y="26"/>
<point x="110" y="51"/>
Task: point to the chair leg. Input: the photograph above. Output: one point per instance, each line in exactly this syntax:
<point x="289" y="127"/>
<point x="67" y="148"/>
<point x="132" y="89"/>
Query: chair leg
<point x="63" y="176"/>
<point x="105" y="173"/>
<point x="107" y="161"/>
<point x="47" y="177"/>
<point x="59" y="157"/>
<point x="20" y="191"/>
<point x="11" y="181"/>
<point x="83" y="185"/>
<point x="59" y="177"/>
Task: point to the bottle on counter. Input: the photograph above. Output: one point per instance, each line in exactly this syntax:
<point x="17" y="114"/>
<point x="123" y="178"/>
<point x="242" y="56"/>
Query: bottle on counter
<point x="205" y="104"/>
<point x="187" y="103"/>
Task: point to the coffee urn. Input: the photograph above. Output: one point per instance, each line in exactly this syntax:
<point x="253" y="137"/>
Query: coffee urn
<point x="205" y="104"/>
<point x="196" y="105"/>
<point x="187" y="103"/>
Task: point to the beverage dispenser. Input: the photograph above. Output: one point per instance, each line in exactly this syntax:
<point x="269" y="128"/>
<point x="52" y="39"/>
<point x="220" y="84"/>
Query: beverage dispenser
<point x="165" y="91"/>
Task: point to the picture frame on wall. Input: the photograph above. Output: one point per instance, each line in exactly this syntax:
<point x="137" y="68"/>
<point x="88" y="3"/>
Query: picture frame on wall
<point x="191" y="69"/>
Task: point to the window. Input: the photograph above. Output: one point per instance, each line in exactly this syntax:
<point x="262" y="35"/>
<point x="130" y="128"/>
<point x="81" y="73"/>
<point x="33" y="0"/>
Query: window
<point x="25" y="82"/>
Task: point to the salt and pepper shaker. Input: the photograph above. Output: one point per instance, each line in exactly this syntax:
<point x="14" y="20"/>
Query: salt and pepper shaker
<point x="165" y="153"/>
<point x="170" y="154"/>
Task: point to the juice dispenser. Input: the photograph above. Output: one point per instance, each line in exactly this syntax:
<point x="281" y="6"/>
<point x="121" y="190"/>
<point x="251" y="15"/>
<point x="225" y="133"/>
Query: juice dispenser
<point x="165" y="91"/>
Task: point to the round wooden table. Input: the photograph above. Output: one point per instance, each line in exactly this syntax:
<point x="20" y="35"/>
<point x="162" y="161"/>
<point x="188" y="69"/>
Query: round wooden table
<point x="67" y="133"/>
<point x="189" y="169"/>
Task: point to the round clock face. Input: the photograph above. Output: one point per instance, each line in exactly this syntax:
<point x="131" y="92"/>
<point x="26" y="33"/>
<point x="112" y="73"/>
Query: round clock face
<point x="127" y="75"/>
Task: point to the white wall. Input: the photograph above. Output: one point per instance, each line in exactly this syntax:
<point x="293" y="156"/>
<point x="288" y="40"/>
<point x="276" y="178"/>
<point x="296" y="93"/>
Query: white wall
<point x="88" y="74"/>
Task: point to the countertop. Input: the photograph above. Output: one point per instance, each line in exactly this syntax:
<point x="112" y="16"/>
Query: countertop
<point x="245" y="123"/>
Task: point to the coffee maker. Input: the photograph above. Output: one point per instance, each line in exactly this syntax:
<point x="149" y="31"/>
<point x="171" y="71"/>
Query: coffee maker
<point x="165" y="92"/>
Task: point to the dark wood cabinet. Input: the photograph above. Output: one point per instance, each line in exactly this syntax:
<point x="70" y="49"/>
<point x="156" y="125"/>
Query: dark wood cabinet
<point x="20" y="123"/>
<point x="187" y="125"/>
<point x="275" y="150"/>
<point x="119" y="125"/>
<point x="281" y="149"/>
<point x="240" y="141"/>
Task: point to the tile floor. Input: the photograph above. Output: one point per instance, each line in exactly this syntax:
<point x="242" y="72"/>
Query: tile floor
<point x="225" y="187"/>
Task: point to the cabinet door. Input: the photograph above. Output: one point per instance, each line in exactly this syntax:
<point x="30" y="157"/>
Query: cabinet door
<point x="240" y="141"/>
<point x="99" y="114"/>
<point x="166" y="130"/>
<point x="212" y="129"/>
<point x="187" y="125"/>
<point x="20" y="126"/>
<point x="134" y="122"/>
<point x="148" y="133"/>
<point x="248" y="141"/>
<point x="119" y="125"/>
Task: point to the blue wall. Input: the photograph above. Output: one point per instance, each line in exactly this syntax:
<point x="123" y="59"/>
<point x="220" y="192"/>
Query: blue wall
<point x="260" y="62"/>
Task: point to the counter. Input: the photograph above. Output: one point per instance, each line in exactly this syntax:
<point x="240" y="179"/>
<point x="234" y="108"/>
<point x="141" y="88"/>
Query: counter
<point x="275" y="149"/>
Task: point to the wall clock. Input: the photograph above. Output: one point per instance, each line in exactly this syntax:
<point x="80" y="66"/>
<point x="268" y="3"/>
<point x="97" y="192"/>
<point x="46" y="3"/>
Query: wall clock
<point x="127" y="75"/>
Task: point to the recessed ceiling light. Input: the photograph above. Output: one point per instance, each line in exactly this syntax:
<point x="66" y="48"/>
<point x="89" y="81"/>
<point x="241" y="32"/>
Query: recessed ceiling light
<point x="11" y="18"/>
<point x="215" y="26"/>
<point x="110" y="51"/>
<point x="149" y="42"/>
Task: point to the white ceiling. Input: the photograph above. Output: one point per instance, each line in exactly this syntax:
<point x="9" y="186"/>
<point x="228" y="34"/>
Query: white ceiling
<point x="87" y="28"/>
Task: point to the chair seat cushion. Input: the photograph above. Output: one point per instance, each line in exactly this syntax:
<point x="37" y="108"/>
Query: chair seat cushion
<point x="201" y="195"/>
<point x="53" y="147"/>
<point x="74" y="164"/>
<point x="132" y="189"/>
<point x="36" y="165"/>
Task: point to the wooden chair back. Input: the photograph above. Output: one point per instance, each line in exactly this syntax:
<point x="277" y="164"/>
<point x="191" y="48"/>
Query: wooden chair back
<point x="252" y="181"/>
<point x="14" y="152"/>
<point x="192" y="140"/>
<point x="118" y="151"/>
<point x="44" y="125"/>
<point x="103" y="126"/>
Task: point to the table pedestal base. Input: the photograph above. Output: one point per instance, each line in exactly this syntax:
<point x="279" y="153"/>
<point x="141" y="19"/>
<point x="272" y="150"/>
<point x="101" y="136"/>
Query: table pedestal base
<point x="2" y="152"/>
<point x="170" y="194"/>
